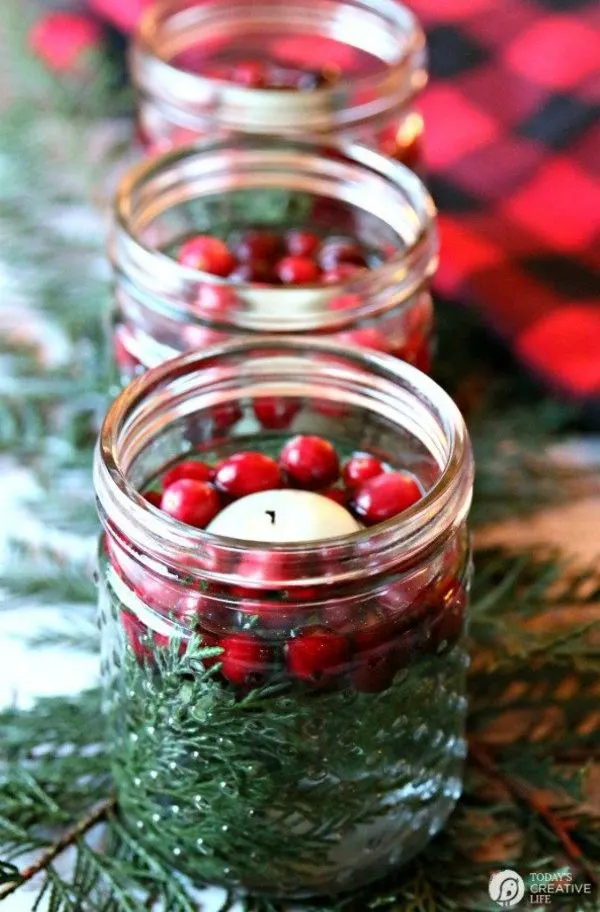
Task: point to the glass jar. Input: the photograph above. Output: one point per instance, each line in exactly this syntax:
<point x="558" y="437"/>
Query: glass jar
<point x="349" y="68"/>
<point x="263" y="775"/>
<point x="164" y="308"/>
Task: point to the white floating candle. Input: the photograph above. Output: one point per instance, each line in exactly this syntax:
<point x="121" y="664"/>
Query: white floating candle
<point x="283" y="516"/>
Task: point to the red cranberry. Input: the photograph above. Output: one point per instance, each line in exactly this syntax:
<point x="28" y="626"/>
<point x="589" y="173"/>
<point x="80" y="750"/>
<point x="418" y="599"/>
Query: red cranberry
<point x="262" y="568"/>
<point x="207" y="254"/>
<point x="247" y="473"/>
<point x="385" y="496"/>
<point x="317" y="654"/>
<point x="226" y="415"/>
<point x="250" y="73"/>
<point x="345" y="272"/>
<point x="310" y="462"/>
<point x="62" y="40"/>
<point x="337" y="251"/>
<point x="245" y="660"/>
<point x="296" y="270"/>
<point x="258" y="246"/>
<point x="257" y="272"/>
<point x="337" y="495"/>
<point x="154" y="498"/>
<point x="379" y="656"/>
<point x="189" y="469"/>
<point x="301" y="243"/>
<point x="448" y="623"/>
<point x="191" y="501"/>
<point x="216" y="300"/>
<point x="276" y="412"/>
<point x="345" y="302"/>
<point x="360" y="468"/>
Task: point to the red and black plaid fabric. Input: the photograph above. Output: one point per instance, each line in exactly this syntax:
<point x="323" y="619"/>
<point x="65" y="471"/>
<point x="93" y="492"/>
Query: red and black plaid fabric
<point x="513" y="149"/>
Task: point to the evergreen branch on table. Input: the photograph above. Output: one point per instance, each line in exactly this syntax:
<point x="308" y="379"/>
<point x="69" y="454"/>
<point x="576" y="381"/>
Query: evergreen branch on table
<point x="522" y="804"/>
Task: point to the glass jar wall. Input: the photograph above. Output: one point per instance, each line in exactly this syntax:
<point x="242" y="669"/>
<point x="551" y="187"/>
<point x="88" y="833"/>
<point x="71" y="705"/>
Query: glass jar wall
<point x="348" y="68"/>
<point x="286" y="718"/>
<point x="371" y="219"/>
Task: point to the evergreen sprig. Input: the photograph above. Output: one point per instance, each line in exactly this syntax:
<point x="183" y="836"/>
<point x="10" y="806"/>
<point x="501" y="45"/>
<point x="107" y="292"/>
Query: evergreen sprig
<point x="522" y="804"/>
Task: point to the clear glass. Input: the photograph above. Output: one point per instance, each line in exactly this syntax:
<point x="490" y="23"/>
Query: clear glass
<point x="369" y="57"/>
<point x="164" y="308"/>
<point x="279" y="784"/>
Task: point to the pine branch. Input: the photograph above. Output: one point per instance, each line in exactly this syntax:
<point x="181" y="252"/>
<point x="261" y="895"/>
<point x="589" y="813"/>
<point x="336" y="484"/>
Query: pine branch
<point x="519" y="790"/>
<point x="69" y="838"/>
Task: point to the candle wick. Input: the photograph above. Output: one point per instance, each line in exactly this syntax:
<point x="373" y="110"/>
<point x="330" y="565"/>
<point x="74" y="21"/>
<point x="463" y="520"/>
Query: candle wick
<point x="271" y="513"/>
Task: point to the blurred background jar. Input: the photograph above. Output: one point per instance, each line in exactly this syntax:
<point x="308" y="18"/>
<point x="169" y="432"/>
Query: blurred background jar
<point x="217" y="240"/>
<point x="348" y="68"/>
<point x="302" y="695"/>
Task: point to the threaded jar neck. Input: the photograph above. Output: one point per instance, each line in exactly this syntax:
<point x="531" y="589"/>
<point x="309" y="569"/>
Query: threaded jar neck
<point x="209" y="183"/>
<point x="383" y="30"/>
<point x="146" y="422"/>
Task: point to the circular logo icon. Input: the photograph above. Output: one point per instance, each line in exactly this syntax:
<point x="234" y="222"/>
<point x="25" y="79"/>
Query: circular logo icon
<point x="507" y="888"/>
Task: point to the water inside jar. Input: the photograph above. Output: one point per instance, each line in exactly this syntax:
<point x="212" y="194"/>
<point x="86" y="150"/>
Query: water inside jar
<point x="300" y="62"/>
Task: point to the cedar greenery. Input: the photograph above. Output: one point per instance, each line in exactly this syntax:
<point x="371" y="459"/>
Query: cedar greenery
<point x="523" y="799"/>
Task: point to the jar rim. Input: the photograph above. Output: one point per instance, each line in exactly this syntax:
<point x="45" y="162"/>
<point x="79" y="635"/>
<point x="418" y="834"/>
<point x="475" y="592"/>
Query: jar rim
<point x="376" y="182"/>
<point x="413" y="532"/>
<point x="194" y="100"/>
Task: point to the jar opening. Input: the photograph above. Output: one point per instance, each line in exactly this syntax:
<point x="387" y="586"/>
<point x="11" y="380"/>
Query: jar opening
<point x="222" y="185"/>
<point x="172" y="408"/>
<point x="376" y="48"/>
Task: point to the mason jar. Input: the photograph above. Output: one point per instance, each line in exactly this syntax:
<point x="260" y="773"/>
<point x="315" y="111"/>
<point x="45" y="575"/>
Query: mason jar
<point x="229" y="189"/>
<point x="286" y="717"/>
<point x="350" y="68"/>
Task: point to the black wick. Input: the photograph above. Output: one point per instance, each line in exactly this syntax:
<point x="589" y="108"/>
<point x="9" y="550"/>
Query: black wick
<point x="271" y="513"/>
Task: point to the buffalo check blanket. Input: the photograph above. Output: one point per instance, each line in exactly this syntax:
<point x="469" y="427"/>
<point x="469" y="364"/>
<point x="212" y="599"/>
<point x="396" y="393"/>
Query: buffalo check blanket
<point x="513" y="155"/>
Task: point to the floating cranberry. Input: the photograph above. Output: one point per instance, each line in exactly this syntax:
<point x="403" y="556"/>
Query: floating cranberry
<point x="385" y="496"/>
<point x="276" y="412"/>
<point x="317" y="655"/>
<point x="345" y="272"/>
<point x="258" y="246"/>
<point x="191" y="501"/>
<point x="207" y="254"/>
<point x="296" y="270"/>
<point x="360" y="468"/>
<point x="256" y="272"/>
<point x="337" y="495"/>
<point x="301" y="243"/>
<point x="337" y="251"/>
<point x="251" y="74"/>
<point x="245" y="659"/>
<point x="226" y="415"/>
<point x="247" y="473"/>
<point x="189" y="469"/>
<point x="261" y="569"/>
<point x="154" y="498"/>
<point x="310" y="462"/>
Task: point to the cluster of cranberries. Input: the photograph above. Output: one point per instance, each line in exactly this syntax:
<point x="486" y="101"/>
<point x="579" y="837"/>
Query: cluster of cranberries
<point x="194" y="492"/>
<point x="266" y="257"/>
<point x="254" y="73"/>
<point x="330" y="649"/>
